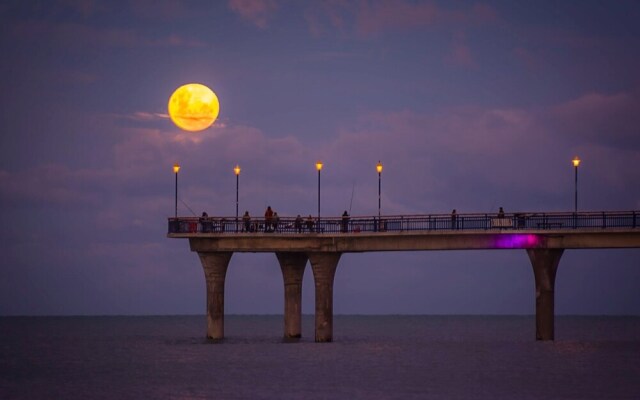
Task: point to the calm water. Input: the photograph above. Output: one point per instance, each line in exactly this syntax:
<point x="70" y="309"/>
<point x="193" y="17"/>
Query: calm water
<point x="372" y="357"/>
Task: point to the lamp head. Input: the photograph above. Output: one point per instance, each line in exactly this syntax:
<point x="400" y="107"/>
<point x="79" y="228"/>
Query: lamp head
<point x="379" y="167"/>
<point x="576" y="161"/>
<point x="176" y="168"/>
<point x="236" y="169"/>
<point x="319" y="165"/>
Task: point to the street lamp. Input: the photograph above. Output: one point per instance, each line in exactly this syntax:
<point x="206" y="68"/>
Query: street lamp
<point x="236" y="170"/>
<point x="576" y="162"/>
<point x="176" y="168"/>
<point x="379" y="169"/>
<point x="319" y="168"/>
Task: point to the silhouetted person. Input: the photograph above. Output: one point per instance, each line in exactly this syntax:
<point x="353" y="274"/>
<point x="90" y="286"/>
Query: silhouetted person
<point x="246" y="220"/>
<point x="345" y="221"/>
<point x="454" y="219"/>
<point x="275" y="221"/>
<point x="298" y="224"/>
<point x="310" y="223"/>
<point x="205" y="223"/>
<point x="268" y="219"/>
<point x="500" y="213"/>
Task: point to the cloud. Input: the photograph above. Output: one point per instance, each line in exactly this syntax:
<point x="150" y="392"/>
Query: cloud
<point x="335" y="11"/>
<point x="50" y="184"/>
<point x="467" y="156"/>
<point x="161" y="9"/>
<point x="76" y="36"/>
<point x="460" y="53"/>
<point x="370" y="18"/>
<point x="374" y="17"/>
<point x="86" y="8"/>
<point x="429" y="150"/>
<point x="475" y="157"/>
<point x="147" y="116"/>
<point x="528" y="58"/>
<point x="257" y="12"/>
<point x="606" y="119"/>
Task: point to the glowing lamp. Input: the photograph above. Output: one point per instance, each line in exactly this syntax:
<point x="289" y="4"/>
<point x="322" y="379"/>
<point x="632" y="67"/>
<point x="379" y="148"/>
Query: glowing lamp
<point x="379" y="167"/>
<point x="236" y="169"/>
<point x="319" y="166"/>
<point x="176" y="168"/>
<point x="576" y="161"/>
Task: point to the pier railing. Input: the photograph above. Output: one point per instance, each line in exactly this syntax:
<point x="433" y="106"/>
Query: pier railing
<point x="401" y="223"/>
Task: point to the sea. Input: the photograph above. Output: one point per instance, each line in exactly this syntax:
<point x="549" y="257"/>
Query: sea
<point x="371" y="357"/>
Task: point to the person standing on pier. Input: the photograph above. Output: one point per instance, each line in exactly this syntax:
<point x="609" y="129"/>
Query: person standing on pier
<point x="298" y="224"/>
<point x="310" y="223"/>
<point x="454" y="219"/>
<point x="205" y="223"/>
<point x="268" y="219"/>
<point x="345" y="221"/>
<point x="246" y="220"/>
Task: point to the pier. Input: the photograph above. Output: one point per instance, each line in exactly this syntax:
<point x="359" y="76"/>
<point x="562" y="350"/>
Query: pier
<point x="321" y="242"/>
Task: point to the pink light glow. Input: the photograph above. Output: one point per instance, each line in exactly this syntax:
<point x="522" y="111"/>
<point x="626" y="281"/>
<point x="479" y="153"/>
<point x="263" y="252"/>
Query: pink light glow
<point x="516" y="241"/>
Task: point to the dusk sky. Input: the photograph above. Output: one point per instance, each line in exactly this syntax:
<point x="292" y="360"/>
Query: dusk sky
<point x="469" y="105"/>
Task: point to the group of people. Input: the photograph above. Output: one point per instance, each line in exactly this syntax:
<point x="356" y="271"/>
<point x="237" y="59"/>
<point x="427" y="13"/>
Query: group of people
<point x="309" y="223"/>
<point x="271" y="221"/>
<point x="300" y="224"/>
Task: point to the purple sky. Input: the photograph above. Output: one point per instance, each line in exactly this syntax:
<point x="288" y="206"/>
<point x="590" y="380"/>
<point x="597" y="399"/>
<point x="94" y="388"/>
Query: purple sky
<point x="469" y="105"/>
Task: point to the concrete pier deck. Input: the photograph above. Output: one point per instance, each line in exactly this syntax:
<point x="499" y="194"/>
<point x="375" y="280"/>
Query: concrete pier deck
<point x="544" y="240"/>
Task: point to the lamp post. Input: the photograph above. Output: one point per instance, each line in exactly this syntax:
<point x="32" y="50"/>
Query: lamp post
<point x="236" y="170"/>
<point x="379" y="169"/>
<point x="576" y="162"/>
<point x="176" y="168"/>
<point x="319" y="168"/>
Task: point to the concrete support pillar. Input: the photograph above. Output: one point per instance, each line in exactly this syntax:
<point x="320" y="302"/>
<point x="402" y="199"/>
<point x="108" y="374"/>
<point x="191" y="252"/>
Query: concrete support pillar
<point x="545" y="264"/>
<point x="292" y="266"/>
<point x="324" y="270"/>
<point x="215" y="270"/>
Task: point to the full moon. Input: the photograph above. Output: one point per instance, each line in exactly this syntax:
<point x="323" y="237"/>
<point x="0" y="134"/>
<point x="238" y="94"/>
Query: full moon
<point x="193" y="107"/>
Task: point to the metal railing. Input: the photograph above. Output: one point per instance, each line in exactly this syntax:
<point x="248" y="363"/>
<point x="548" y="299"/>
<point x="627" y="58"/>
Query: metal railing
<point x="401" y="223"/>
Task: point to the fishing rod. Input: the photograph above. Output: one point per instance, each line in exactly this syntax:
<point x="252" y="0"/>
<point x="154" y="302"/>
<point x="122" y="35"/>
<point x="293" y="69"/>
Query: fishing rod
<point x="353" y="187"/>
<point x="189" y="208"/>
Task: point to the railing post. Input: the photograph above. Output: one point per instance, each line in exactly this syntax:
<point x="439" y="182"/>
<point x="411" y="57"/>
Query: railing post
<point x="604" y="220"/>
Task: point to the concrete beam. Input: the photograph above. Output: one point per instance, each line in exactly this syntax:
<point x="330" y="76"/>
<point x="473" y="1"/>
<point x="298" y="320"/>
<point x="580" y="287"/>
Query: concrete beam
<point x="292" y="266"/>
<point x="545" y="265"/>
<point x="413" y="241"/>
<point x="215" y="271"/>
<point x="324" y="270"/>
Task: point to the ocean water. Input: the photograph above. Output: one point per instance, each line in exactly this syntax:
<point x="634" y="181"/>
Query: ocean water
<point x="372" y="357"/>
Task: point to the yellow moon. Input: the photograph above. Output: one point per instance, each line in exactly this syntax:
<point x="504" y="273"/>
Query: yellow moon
<point x="193" y="107"/>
